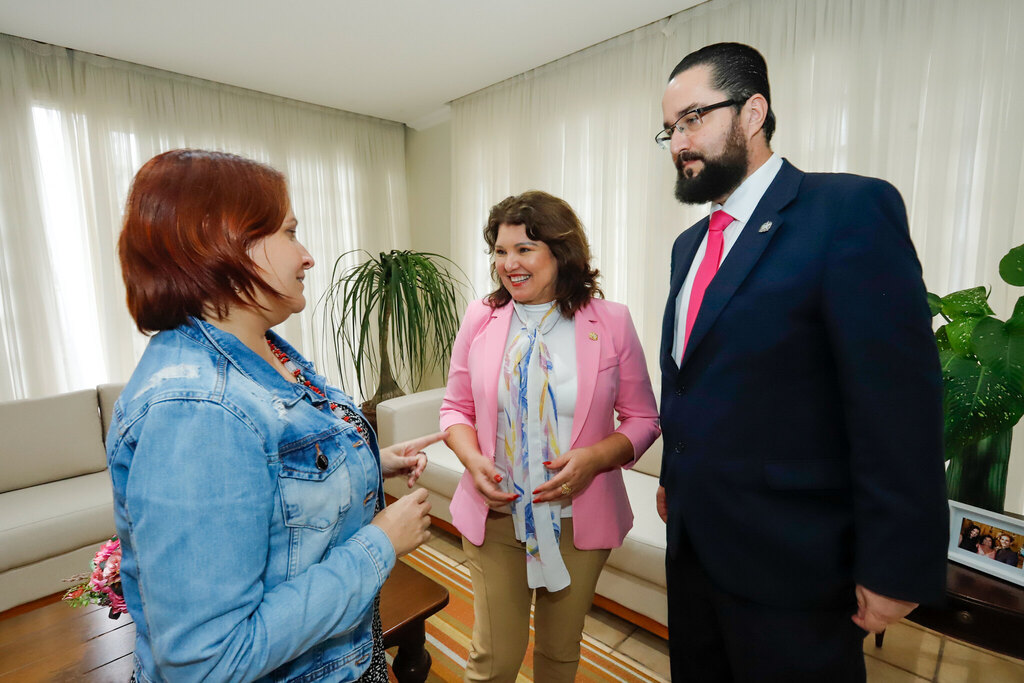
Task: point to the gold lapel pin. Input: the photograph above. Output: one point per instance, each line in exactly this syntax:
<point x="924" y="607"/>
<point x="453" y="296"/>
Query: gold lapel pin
<point x="593" y="336"/>
<point x="765" y="227"/>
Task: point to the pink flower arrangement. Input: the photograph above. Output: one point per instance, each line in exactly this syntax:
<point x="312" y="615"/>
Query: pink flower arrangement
<point x="103" y="586"/>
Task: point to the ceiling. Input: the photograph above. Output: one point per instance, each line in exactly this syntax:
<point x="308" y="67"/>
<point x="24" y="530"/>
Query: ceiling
<point x="402" y="60"/>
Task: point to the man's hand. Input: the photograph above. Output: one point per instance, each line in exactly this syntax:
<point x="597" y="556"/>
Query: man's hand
<point x="407" y="458"/>
<point x="662" y="503"/>
<point x="875" y="612"/>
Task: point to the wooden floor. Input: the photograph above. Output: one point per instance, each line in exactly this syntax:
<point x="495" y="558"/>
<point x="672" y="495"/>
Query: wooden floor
<point x="48" y="641"/>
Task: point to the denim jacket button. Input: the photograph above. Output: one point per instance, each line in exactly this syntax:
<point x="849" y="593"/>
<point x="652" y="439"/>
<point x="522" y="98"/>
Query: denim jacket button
<point x="321" y="459"/>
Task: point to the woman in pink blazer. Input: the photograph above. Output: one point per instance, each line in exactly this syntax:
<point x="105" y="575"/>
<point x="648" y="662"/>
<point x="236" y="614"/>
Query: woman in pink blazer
<point x="539" y="369"/>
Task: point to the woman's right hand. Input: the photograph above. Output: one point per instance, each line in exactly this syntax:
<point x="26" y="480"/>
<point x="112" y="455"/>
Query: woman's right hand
<point x="486" y="480"/>
<point x="406" y="521"/>
<point x="462" y="439"/>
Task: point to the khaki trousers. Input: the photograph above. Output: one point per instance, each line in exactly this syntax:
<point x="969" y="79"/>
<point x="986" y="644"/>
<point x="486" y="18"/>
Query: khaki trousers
<point x="501" y="607"/>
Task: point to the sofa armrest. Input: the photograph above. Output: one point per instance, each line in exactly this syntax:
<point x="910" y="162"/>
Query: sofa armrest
<point x="650" y="462"/>
<point x="108" y="394"/>
<point x="48" y="439"/>
<point x="409" y="416"/>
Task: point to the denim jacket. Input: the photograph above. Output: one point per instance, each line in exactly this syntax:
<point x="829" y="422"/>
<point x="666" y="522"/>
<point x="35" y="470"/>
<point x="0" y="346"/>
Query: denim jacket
<point x="244" y="556"/>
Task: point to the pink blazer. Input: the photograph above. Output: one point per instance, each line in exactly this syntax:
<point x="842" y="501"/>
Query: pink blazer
<point x="612" y="378"/>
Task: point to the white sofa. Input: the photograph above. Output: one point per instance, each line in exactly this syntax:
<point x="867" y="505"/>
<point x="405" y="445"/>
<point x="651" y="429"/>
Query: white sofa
<point x="633" y="581"/>
<point x="56" y="505"/>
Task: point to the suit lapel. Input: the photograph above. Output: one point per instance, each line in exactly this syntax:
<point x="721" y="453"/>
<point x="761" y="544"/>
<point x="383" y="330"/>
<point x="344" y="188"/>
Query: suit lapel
<point x="588" y="356"/>
<point x="494" y="340"/>
<point x="685" y="250"/>
<point x="745" y="253"/>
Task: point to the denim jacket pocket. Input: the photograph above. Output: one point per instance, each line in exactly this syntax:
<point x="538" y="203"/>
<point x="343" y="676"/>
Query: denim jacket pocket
<point x="315" y="485"/>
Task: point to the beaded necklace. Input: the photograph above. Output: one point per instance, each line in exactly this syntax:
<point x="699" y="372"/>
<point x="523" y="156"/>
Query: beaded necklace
<point x="345" y="412"/>
<point x="377" y="672"/>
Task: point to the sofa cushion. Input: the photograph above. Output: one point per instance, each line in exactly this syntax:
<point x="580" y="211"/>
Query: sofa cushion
<point x="48" y="439"/>
<point x="50" y="519"/>
<point x="643" y="551"/>
<point x="633" y="593"/>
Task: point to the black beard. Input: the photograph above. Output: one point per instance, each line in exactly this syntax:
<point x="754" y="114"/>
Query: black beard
<point x="719" y="177"/>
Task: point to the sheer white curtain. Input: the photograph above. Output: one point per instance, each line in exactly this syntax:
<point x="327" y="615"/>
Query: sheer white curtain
<point x="581" y="128"/>
<point x="924" y="93"/>
<point x="75" y="127"/>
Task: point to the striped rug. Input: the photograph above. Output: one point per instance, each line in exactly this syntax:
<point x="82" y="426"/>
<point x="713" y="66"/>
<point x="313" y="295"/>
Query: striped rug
<point x="449" y="632"/>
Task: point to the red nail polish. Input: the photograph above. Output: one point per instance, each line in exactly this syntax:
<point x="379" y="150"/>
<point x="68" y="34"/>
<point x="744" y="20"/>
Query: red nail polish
<point x="515" y="497"/>
<point x="497" y="478"/>
<point x="536" y="501"/>
<point x="546" y="462"/>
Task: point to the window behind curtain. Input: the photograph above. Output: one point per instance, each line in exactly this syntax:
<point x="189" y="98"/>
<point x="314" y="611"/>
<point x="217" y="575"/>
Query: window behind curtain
<point x="74" y="129"/>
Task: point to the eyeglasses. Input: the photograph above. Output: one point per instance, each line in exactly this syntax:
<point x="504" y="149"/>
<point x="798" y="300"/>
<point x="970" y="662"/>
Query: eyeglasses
<point x="689" y="122"/>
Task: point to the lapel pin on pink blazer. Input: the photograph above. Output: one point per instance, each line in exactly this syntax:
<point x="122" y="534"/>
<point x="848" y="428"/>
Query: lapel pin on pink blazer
<point x="593" y="336"/>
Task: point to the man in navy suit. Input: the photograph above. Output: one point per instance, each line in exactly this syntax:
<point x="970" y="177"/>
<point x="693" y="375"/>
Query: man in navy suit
<point x="802" y="480"/>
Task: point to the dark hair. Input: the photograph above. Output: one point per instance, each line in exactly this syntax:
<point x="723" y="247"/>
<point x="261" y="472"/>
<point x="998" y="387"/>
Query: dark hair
<point x="190" y="220"/>
<point x="552" y="221"/>
<point x="974" y="527"/>
<point x="738" y="70"/>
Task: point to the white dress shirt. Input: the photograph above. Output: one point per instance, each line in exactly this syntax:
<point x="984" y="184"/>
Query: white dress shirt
<point x="740" y="205"/>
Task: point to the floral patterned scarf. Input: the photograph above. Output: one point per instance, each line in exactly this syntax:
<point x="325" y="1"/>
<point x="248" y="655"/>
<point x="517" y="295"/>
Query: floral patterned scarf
<point x="531" y="439"/>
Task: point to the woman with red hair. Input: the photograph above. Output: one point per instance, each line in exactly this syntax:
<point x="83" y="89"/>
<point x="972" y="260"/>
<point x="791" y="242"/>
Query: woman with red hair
<point x="247" y="491"/>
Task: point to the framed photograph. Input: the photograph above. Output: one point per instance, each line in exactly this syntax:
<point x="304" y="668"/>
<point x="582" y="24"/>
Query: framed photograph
<point x="987" y="541"/>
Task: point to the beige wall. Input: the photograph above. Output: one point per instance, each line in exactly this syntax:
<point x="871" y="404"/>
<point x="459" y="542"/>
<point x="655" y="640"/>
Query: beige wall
<point x="428" y="175"/>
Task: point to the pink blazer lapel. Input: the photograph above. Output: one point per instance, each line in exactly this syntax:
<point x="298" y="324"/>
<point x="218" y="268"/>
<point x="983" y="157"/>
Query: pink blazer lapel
<point x="494" y="338"/>
<point x="588" y="355"/>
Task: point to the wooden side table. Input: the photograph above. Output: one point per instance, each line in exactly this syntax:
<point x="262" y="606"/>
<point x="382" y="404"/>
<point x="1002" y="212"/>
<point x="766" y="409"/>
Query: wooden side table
<point x="407" y="599"/>
<point x="980" y="609"/>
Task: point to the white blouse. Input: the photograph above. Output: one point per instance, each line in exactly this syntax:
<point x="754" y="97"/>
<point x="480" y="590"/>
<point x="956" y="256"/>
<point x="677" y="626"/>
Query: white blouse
<point x="561" y="343"/>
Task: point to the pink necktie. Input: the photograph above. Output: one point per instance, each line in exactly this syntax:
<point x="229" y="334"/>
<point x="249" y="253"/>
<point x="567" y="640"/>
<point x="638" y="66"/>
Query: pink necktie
<point x="705" y="271"/>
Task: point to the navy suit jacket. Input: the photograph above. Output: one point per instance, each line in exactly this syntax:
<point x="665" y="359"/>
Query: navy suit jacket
<point x="803" y="430"/>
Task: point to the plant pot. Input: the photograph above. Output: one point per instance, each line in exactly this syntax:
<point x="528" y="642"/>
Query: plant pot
<point x="977" y="473"/>
<point x="369" y="411"/>
<point x="387" y="389"/>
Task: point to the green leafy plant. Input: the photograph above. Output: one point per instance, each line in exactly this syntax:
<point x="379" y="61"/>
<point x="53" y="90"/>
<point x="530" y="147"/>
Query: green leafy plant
<point x="394" y="317"/>
<point x="983" y="375"/>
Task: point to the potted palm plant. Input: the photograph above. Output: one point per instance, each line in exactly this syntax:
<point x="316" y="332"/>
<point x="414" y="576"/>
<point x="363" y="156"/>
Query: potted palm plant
<point x="393" y="317"/>
<point x="983" y="375"/>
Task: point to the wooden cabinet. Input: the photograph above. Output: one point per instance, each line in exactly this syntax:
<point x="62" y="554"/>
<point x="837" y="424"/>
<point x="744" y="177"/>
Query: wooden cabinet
<point x="980" y="609"/>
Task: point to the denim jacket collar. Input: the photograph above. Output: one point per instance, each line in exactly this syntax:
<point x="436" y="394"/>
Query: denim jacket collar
<point x="255" y="368"/>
